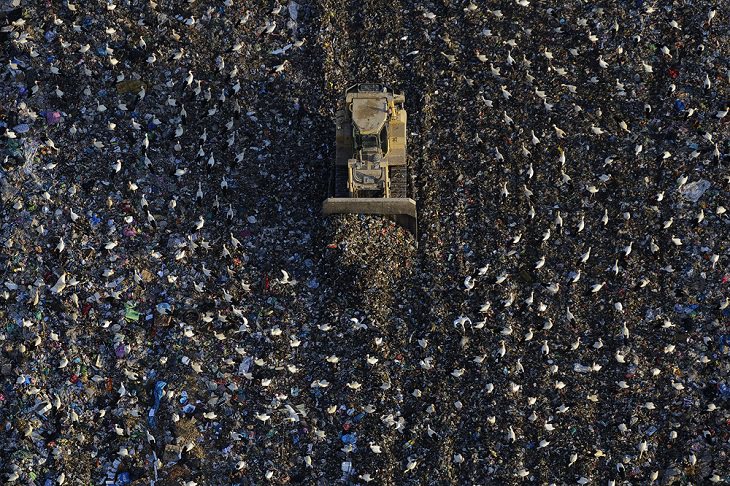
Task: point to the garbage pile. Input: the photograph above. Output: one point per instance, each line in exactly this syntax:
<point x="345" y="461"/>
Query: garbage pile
<point x="175" y="310"/>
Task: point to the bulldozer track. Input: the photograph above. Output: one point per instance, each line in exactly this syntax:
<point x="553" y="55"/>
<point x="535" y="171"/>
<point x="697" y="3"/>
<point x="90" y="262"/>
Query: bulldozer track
<point x="340" y="181"/>
<point x="398" y="182"/>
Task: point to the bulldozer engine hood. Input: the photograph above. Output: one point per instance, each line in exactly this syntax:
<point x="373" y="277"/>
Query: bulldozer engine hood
<point x="369" y="114"/>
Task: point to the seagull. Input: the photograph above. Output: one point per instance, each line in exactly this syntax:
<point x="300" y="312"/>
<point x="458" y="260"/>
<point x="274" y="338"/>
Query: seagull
<point x="502" y="350"/>
<point x="357" y="324"/>
<point x="615" y="267"/>
<point x="534" y="139"/>
<point x="627" y="249"/>
<point x="714" y="259"/>
<point x="460" y="321"/>
<point x="545" y="348"/>
<point x="585" y="256"/>
<point x="540" y="263"/>
<point x="285" y="277"/>
<point x="200" y="223"/>
<point x="280" y="67"/>
<point x="60" y="284"/>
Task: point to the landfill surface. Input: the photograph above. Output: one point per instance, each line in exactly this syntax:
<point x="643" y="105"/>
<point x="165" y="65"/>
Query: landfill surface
<point x="175" y="310"/>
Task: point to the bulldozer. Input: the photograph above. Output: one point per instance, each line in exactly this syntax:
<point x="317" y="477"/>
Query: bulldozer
<point x="370" y="174"/>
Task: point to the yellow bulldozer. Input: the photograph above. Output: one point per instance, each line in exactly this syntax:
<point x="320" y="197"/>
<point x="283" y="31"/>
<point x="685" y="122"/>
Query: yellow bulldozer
<point x="370" y="174"/>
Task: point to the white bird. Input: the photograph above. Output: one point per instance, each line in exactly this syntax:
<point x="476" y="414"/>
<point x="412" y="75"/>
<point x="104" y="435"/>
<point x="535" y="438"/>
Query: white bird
<point x="511" y="437"/>
<point x="200" y="223"/>
<point x="533" y="138"/>
<point x="540" y="263"/>
<point x="585" y="256"/>
<point x="502" y="350"/>
<point x="545" y="349"/>
<point x="627" y="248"/>
<point x="597" y="287"/>
<point x="597" y="130"/>
<point x="615" y="268"/>
<point x="60" y="284"/>
<point x="714" y="259"/>
<point x="573" y="458"/>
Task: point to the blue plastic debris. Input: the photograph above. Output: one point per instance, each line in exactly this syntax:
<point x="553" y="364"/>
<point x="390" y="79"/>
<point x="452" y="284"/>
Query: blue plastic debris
<point x="159" y="390"/>
<point x="349" y="438"/>
<point x="686" y="309"/>
<point x="123" y="479"/>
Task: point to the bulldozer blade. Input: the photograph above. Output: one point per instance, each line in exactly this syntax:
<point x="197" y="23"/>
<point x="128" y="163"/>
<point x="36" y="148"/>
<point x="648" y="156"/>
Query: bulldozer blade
<point x="401" y="210"/>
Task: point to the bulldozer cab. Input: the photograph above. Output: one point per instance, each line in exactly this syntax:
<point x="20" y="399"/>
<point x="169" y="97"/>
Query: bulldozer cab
<point x="372" y="143"/>
<point x="370" y="169"/>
